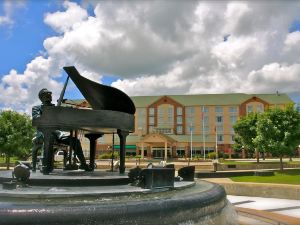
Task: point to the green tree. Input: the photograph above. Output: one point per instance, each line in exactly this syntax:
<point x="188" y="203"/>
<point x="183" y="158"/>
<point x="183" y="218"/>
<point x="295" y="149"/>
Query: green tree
<point x="16" y="133"/>
<point x="245" y="129"/>
<point x="278" y="132"/>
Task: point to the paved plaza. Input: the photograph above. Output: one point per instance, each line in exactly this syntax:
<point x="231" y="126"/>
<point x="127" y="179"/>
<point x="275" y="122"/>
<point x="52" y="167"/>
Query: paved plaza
<point x="281" y="206"/>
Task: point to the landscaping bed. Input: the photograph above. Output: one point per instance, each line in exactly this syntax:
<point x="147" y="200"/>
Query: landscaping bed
<point x="285" y="177"/>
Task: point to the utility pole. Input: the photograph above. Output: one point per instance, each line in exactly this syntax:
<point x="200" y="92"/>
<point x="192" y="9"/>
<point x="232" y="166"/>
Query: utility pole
<point x="191" y="131"/>
<point x="203" y="132"/>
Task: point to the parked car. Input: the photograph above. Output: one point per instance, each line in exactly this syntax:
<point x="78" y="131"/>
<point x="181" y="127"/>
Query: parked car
<point x="59" y="156"/>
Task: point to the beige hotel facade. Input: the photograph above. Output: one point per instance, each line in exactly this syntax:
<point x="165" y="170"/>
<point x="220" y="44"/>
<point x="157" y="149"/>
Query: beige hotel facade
<point x="178" y="126"/>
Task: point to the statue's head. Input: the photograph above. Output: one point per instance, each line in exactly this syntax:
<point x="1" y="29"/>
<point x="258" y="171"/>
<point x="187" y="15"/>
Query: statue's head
<point x="45" y="96"/>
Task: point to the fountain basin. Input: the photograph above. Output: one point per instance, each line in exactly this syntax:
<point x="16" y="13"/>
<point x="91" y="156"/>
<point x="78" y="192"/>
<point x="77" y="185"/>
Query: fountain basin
<point x="188" y="203"/>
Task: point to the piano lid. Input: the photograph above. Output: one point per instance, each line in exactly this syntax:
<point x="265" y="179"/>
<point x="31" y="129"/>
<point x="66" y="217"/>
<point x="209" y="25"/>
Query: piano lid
<point x="101" y="97"/>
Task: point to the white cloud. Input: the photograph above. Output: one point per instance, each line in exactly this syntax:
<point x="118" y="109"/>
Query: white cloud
<point x="292" y="41"/>
<point x="274" y="77"/>
<point x="9" y="8"/>
<point x="19" y="91"/>
<point x="64" y="21"/>
<point x="168" y="47"/>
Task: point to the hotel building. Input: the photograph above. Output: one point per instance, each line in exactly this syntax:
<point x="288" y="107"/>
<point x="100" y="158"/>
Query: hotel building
<point x="174" y="126"/>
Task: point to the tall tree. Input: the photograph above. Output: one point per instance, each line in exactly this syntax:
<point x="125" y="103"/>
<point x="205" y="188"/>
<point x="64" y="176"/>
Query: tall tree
<point x="278" y="132"/>
<point x="245" y="129"/>
<point x="16" y="133"/>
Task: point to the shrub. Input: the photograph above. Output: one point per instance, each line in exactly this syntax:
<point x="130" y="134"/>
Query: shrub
<point x="235" y="156"/>
<point x="225" y="156"/>
<point x="108" y="155"/>
<point x="212" y="155"/>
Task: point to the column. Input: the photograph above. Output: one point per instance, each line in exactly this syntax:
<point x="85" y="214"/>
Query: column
<point x="149" y="150"/>
<point x="142" y="151"/>
<point x="174" y="153"/>
<point x="122" y="135"/>
<point x="186" y="152"/>
<point x="166" y="151"/>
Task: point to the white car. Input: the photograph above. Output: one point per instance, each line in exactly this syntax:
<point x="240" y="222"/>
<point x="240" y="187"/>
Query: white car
<point x="59" y="156"/>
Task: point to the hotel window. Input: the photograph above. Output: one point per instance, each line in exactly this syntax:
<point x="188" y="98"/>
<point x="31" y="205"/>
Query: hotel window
<point x="259" y="108"/>
<point x="220" y="137"/>
<point x="205" y="129"/>
<point x="233" y="119"/>
<point x="233" y="109"/>
<point x="141" y="118"/>
<point x="205" y="109"/>
<point x="179" y="111"/>
<point x="219" y="109"/>
<point x="231" y="130"/>
<point x="219" y="119"/>
<point x="170" y="115"/>
<point x="160" y="116"/>
<point x="151" y="129"/>
<point x="232" y="138"/>
<point x="249" y="108"/>
<point x="220" y="129"/>
<point x="179" y="130"/>
<point x="164" y="130"/>
<point x="160" y="112"/>
<point x="190" y="111"/>
<point x="179" y="119"/>
<point x="151" y="120"/>
<point x="205" y="119"/>
<point x="190" y="120"/>
<point x="190" y="128"/>
<point x="151" y="111"/>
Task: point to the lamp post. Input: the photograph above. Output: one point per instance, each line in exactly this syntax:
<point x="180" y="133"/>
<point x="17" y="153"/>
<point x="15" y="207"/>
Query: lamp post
<point x="216" y="143"/>
<point x="113" y="152"/>
<point x="203" y="132"/>
<point x="243" y="152"/>
<point x="191" y="131"/>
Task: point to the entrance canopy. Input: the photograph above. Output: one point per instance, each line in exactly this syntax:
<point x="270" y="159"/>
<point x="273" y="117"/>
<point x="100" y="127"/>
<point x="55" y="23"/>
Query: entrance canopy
<point x="158" y="138"/>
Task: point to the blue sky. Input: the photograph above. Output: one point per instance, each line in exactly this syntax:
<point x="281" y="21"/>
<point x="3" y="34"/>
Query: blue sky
<point x="23" y="41"/>
<point x="149" y="47"/>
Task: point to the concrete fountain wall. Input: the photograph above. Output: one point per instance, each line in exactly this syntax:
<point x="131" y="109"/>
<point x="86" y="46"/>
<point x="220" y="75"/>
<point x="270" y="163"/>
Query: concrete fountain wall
<point x="188" y="203"/>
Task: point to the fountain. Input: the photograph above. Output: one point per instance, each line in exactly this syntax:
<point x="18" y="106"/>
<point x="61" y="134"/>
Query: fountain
<point x="99" y="197"/>
<point x="109" y="200"/>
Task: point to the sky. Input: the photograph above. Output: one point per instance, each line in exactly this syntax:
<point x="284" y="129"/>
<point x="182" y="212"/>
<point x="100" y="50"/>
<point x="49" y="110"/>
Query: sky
<point x="148" y="47"/>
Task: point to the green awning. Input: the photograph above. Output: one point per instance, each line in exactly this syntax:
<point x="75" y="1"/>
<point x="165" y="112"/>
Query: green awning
<point x="126" y="147"/>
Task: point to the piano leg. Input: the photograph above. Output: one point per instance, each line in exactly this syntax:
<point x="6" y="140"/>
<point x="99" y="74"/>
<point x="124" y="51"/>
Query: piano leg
<point x="93" y="144"/>
<point x="48" y="160"/>
<point x="122" y="135"/>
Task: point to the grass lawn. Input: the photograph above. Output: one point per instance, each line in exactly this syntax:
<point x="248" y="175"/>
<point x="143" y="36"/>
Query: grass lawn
<point x="287" y="177"/>
<point x="232" y="162"/>
<point x="12" y="159"/>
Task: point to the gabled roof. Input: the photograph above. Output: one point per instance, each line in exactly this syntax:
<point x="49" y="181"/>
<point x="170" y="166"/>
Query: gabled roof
<point x="144" y="101"/>
<point x="158" y="136"/>
<point x="275" y="99"/>
<point x="205" y="99"/>
<point x="213" y="99"/>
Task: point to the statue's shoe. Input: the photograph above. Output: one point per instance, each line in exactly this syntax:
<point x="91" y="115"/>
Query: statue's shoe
<point x="85" y="167"/>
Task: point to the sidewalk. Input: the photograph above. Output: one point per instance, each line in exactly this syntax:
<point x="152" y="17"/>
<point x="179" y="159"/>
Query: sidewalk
<point x="252" y="209"/>
<point x="257" y="210"/>
<point x="281" y="206"/>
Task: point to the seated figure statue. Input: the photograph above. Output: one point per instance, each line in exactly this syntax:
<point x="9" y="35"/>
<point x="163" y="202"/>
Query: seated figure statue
<point x="46" y="98"/>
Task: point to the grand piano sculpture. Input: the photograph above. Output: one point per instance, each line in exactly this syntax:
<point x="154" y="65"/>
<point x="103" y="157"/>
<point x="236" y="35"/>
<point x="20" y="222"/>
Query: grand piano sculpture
<point x="112" y="112"/>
